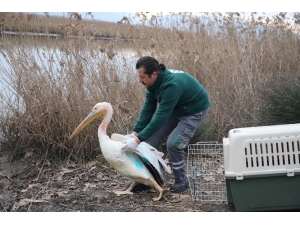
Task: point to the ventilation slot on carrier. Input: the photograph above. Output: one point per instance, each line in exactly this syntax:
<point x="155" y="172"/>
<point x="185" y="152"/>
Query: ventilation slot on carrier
<point x="277" y="149"/>
<point x="272" y="148"/>
<point x="268" y="154"/>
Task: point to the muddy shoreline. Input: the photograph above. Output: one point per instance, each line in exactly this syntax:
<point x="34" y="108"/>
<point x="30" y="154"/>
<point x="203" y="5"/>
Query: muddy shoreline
<point x="45" y="186"/>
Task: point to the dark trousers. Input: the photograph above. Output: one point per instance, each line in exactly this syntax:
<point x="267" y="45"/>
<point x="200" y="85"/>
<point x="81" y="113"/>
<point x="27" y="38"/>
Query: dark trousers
<point x="177" y="132"/>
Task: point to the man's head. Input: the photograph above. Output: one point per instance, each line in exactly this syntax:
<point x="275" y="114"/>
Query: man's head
<point x="148" y="70"/>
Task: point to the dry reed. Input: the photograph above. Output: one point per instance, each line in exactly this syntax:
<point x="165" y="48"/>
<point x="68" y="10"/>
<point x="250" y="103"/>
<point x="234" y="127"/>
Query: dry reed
<point x="50" y="84"/>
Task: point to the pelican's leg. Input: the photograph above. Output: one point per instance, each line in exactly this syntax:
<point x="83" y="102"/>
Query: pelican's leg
<point x="161" y="191"/>
<point x="128" y="191"/>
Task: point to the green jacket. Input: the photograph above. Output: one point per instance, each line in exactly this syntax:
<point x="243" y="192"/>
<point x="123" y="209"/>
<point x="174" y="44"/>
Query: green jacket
<point x="178" y="94"/>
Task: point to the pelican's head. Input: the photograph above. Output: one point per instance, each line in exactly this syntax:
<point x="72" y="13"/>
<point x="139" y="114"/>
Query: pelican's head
<point x="100" y="109"/>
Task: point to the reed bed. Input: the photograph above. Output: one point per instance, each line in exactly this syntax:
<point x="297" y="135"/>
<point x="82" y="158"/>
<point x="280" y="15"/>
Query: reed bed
<point x="50" y="84"/>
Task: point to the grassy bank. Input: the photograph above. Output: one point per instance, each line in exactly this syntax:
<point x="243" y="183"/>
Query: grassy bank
<point x="54" y="83"/>
<point x="74" y="24"/>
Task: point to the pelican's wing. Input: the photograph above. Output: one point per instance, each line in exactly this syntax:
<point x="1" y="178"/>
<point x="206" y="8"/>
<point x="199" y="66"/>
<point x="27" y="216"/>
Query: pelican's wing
<point x="151" y="161"/>
<point x="143" y="151"/>
<point x="154" y="150"/>
<point x="164" y="164"/>
<point x="144" y="147"/>
<point x="119" y="137"/>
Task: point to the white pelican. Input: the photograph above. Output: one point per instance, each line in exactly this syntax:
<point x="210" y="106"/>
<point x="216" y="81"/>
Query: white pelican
<point x="140" y="167"/>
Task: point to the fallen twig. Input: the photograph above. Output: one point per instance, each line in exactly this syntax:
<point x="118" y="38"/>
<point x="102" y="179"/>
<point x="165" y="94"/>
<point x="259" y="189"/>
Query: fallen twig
<point x="4" y="176"/>
<point x="151" y="206"/>
<point x="63" y="205"/>
<point x="26" y="201"/>
<point x="118" y="182"/>
<point x="37" y="195"/>
<point x="40" y="171"/>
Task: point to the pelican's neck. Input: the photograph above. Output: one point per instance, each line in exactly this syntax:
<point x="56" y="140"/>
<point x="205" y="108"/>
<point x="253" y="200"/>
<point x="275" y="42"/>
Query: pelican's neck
<point x="106" y="120"/>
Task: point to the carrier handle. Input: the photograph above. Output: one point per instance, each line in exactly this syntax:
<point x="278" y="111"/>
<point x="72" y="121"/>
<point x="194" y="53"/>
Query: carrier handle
<point x="212" y="142"/>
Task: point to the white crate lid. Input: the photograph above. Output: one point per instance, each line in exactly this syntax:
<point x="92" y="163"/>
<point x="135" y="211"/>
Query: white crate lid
<point x="269" y="129"/>
<point x="262" y="150"/>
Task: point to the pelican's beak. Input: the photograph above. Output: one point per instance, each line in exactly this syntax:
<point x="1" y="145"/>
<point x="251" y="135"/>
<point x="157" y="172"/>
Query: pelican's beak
<point x="92" y="116"/>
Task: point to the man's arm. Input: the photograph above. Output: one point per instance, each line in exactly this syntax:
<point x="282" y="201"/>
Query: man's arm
<point x="170" y="97"/>
<point x="146" y="114"/>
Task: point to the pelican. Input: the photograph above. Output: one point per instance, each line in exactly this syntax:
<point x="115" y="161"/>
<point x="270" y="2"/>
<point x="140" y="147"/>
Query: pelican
<point x="142" y="166"/>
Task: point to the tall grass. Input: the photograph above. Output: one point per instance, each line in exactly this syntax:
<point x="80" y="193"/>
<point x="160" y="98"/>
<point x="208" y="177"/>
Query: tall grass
<point x="73" y="24"/>
<point x="281" y="102"/>
<point x="53" y="87"/>
<point x="50" y="85"/>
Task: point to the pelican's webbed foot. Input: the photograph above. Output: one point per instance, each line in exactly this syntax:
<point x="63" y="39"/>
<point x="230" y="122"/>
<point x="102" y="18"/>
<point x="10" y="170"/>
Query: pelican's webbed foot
<point x="126" y="192"/>
<point x="161" y="191"/>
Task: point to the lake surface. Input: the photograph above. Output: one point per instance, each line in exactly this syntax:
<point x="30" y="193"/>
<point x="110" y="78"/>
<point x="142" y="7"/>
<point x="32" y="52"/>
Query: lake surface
<point x="48" y="54"/>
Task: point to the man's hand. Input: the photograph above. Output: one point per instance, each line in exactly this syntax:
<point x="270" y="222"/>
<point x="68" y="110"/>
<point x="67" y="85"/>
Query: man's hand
<point x="130" y="145"/>
<point x="132" y="135"/>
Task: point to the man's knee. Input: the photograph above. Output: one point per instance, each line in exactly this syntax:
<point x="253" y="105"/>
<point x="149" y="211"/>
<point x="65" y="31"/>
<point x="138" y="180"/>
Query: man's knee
<point x="172" y="144"/>
<point x="179" y="142"/>
<point x="175" y="150"/>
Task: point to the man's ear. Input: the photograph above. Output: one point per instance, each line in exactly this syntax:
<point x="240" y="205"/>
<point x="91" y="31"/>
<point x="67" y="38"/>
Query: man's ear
<point x="154" y="74"/>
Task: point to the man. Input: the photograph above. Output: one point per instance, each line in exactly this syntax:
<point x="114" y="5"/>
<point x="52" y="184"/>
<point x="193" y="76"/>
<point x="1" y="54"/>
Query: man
<point x="183" y="106"/>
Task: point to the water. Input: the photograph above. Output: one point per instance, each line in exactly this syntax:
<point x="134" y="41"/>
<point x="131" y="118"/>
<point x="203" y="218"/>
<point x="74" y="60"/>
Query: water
<point x="50" y="57"/>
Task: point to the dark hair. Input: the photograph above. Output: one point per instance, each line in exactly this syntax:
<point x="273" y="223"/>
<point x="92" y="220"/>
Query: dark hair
<point x="150" y="65"/>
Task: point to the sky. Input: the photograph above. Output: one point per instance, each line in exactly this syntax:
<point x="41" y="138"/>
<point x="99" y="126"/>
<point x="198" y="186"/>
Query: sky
<point x="114" y="10"/>
<point x="116" y="16"/>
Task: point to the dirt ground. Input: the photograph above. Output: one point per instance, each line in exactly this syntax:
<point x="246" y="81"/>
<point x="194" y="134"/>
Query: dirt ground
<point x="28" y="184"/>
